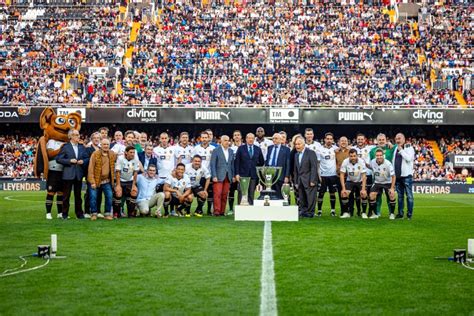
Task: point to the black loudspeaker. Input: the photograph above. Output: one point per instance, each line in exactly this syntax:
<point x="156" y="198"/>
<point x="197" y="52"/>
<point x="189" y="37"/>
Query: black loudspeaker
<point x="460" y="255"/>
<point x="44" y="251"/>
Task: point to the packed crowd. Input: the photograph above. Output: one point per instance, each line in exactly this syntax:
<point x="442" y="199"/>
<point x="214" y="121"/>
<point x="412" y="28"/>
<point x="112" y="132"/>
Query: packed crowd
<point x="327" y="54"/>
<point x="16" y="156"/>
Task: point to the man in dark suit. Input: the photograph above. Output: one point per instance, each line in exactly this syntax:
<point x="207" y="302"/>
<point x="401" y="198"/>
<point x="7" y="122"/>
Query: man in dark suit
<point x="147" y="158"/>
<point x="72" y="156"/>
<point x="248" y="157"/>
<point x="222" y="174"/>
<point x="306" y="176"/>
<point x="279" y="156"/>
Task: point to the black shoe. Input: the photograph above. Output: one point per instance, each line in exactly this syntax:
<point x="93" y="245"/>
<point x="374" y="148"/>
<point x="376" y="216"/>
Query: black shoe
<point x="320" y="213"/>
<point x="399" y="216"/>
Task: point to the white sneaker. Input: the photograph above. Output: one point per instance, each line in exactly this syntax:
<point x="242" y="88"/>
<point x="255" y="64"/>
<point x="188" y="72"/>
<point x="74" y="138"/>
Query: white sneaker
<point x="333" y="213"/>
<point x="392" y="216"/>
<point x="345" y="215"/>
<point x="99" y="215"/>
<point x="60" y="216"/>
<point x="375" y="216"/>
<point x="87" y="215"/>
<point x="364" y="216"/>
<point x="48" y="216"/>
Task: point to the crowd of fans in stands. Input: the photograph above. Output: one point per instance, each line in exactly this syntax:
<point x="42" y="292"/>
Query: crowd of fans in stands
<point x="258" y="54"/>
<point x="17" y="154"/>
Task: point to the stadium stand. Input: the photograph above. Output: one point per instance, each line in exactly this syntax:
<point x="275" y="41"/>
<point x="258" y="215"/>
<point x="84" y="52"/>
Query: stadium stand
<point x="323" y="54"/>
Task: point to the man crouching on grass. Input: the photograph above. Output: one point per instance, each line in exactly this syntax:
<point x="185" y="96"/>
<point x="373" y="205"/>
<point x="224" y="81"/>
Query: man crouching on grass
<point x="148" y="184"/>
<point x="384" y="181"/>
<point x="178" y="193"/>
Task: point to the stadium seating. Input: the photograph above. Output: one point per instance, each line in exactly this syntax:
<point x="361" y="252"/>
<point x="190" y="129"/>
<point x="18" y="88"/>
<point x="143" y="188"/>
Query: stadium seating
<point x="326" y="54"/>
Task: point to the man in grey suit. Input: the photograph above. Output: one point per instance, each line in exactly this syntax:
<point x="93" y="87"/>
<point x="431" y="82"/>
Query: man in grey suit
<point x="222" y="173"/>
<point x="306" y="177"/>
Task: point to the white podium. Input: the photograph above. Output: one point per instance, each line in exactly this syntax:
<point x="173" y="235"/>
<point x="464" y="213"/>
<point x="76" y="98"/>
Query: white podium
<point x="258" y="212"/>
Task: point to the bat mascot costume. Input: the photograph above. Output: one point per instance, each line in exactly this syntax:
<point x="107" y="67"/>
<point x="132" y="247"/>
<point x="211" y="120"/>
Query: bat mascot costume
<point x="55" y="128"/>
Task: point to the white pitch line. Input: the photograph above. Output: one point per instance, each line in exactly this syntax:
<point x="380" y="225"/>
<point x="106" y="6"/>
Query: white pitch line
<point x="12" y="198"/>
<point x="268" y="301"/>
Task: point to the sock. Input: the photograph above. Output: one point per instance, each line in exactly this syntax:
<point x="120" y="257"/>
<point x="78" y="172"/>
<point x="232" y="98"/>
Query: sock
<point x="364" y="205"/>
<point x="358" y="204"/>
<point x="372" y="206"/>
<point x="59" y="203"/>
<point x="231" y="202"/>
<point x="332" y="199"/>
<point x="166" y="207"/>
<point x="187" y="208"/>
<point x="344" y="202"/>
<point x="200" y="203"/>
<point x="116" y="206"/>
<point x="49" y="203"/>
<point x="320" y="202"/>
<point x="391" y="206"/>
<point x="209" y="206"/>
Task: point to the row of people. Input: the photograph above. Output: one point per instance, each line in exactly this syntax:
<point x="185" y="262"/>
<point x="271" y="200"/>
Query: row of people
<point x="172" y="176"/>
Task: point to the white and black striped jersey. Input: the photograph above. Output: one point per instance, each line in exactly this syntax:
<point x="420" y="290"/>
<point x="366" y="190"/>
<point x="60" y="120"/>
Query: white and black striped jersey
<point x="364" y="153"/>
<point x="205" y="154"/>
<point x="382" y="173"/>
<point x="166" y="160"/>
<point x="327" y="161"/>
<point x="355" y="171"/>
<point x="195" y="175"/>
<point x="183" y="153"/>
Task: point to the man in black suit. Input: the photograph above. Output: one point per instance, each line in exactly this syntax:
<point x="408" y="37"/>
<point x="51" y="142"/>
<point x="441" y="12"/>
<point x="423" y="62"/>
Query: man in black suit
<point x="147" y="158"/>
<point x="248" y="157"/>
<point x="72" y="156"/>
<point x="279" y="156"/>
<point x="306" y="176"/>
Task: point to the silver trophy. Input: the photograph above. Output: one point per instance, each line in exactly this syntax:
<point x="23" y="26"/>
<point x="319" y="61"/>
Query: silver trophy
<point x="268" y="176"/>
<point x="285" y="192"/>
<point x="244" y="187"/>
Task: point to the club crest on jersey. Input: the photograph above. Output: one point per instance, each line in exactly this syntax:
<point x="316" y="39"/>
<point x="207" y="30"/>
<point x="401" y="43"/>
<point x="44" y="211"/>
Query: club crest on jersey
<point x="162" y="157"/>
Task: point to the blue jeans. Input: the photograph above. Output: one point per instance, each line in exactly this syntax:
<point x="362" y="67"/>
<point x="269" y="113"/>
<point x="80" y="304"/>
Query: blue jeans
<point x="107" y="189"/>
<point x="404" y="187"/>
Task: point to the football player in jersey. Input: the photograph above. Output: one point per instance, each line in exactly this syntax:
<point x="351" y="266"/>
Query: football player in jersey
<point x="200" y="178"/>
<point x="236" y="143"/>
<point x="388" y="150"/>
<point x="165" y="156"/>
<point x="119" y="148"/>
<point x="204" y="150"/>
<point x="262" y="142"/>
<point x="384" y="181"/>
<point x="178" y="193"/>
<point x="211" y="137"/>
<point x="353" y="184"/>
<point x="363" y="152"/>
<point x="183" y="150"/>
<point x="309" y="139"/>
<point x="126" y="171"/>
<point x="327" y="169"/>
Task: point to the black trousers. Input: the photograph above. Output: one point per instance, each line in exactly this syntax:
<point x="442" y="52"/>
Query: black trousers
<point x="277" y="187"/>
<point x="68" y="186"/>
<point x="307" y="200"/>
<point x="252" y="187"/>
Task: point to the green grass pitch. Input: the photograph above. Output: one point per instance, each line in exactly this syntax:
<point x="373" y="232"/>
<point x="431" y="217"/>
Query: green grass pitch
<point x="212" y="266"/>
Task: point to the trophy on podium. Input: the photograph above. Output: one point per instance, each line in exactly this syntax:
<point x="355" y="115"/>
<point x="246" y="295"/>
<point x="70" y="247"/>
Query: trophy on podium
<point x="268" y="176"/>
<point x="285" y="191"/>
<point x="244" y="187"/>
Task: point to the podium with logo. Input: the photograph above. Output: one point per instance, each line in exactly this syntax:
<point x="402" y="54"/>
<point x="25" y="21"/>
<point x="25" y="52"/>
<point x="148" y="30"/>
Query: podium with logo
<point x="268" y="207"/>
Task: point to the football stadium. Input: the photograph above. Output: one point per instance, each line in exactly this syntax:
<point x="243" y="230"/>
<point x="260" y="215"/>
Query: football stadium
<point x="218" y="157"/>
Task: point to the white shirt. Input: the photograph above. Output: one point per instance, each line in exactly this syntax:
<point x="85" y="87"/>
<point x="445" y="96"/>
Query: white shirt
<point x="314" y="146"/>
<point x="327" y="161"/>
<point x="264" y="144"/>
<point x="355" y="171"/>
<point x="147" y="186"/>
<point x="195" y="175"/>
<point x="205" y="154"/>
<point x="180" y="184"/>
<point x="75" y="147"/>
<point x="119" y="149"/>
<point x="408" y="157"/>
<point x="166" y="160"/>
<point x="364" y="154"/>
<point x="382" y="173"/>
<point x="53" y="144"/>
<point x="127" y="168"/>
<point x="226" y="154"/>
<point x="183" y="153"/>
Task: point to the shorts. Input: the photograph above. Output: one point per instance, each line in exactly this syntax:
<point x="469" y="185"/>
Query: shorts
<point x="196" y="190"/>
<point x="330" y="183"/>
<point x="353" y="186"/>
<point x="159" y="188"/>
<point x="127" y="188"/>
<point x="54" y="183"/>
<point x="380" y="187"/>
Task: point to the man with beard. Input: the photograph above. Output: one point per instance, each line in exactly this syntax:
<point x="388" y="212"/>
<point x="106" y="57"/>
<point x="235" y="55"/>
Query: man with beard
<point x="204" y="150"/>
<point x="183" y="150"/>
<point x="262" y="142"/>
<point x="353" y="184"/>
